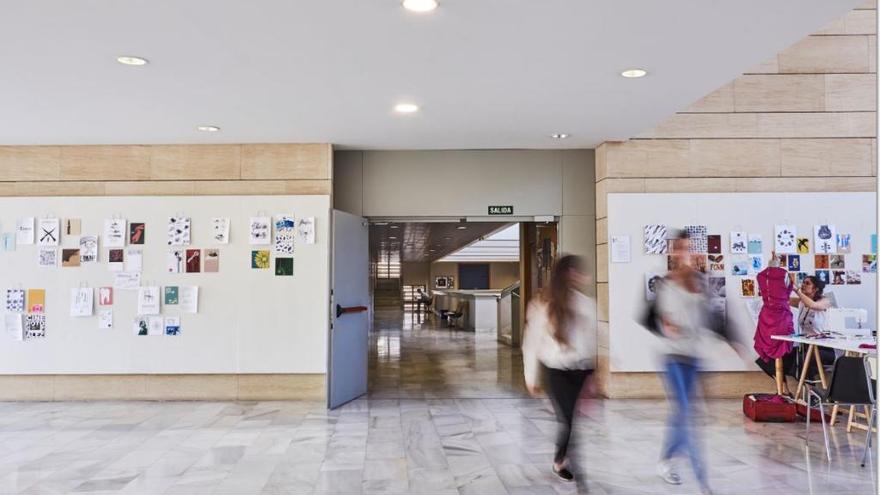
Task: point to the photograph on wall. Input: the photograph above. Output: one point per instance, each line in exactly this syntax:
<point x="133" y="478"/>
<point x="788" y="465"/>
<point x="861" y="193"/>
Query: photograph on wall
<point x="652" y="284"/>
<point x="260" y="230"/>
<point x="105" y="296"/>
<point x="8" y="241"/>
<point x="47" y="256"/>
<point x="713" y="243"/>
<point x="141" y="325"/>
<point x="212" y="260"/>
<point x="171" y="295"/>
<point x="748" y="287"/>
<point x="81" y="301"/>
<point x="783" y="260"/>
<point x="260" y="259"/>
<point x="821" y="262"/>
<point x="114" y="232"/>
<point x="717" y="287"/>
<point x="844" y="243"/>
<point x="838" y="277"/>
<point x="24" y="230"/>
<point x="794" y="262"/>
<point x="36" y="300"/>
<point x="105" y="319"/>
<point x="698" y="237"/>
<point x="88" y="249"/>
<point x="756" y="244"/>
<point x="284" y="267"/>
<point x="716" y="264"/>
<point x="172" y="325"/>
<point x="824" y="239"/>
<point x="178" y="231"/>
<point x="701" y="263"/>
<point x="48" y="232"/>
<point x="34" y="326"/>
<point x="175" y="261"/>
<point x="803" y="245"/>
<point x="837" y="262"/>
<point x="305" y="230"/>
<point x="284" y="232"/>
<point x="220" y="230"/>
<point x="756" y="263"/>
<point x="853" y="277"/>
<point x="740" y="268"/>
<point x="189" y="298"/>
<point x="126" y="280"/>
<point x="738" y="242"/>
<point x="70" y="257"/>
<point x="14" y="300"/>
<point x="134" y="259"/>
<point x="13" y="326"/>
<point x="824" y="276"/>
<point x="136" y="233"/>
<point x="655" y="239"/>
<point x="869" y="263"/>
<point x="441" y="283"/>
<point x="193" y="260"/>
<point x="785" y="239"/>
<point x="115" y="260"/>
<point x="72" y="226"/>
<point x="148" y="302"/>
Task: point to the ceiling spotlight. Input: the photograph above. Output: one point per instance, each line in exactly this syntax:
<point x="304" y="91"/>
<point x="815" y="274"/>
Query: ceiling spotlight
<point x="406" y="108"/>
<point x="392" y="237"/>
<point x="381" y="223"/>
<point x="131" y="60"/>
<point x="462" y="227"/>
<point x="634" y="73"/>
<point x="420" y="5"/>
<point x="394" y="227"/>
<point x="559" y="135"/>
<point x="208" y="128"/>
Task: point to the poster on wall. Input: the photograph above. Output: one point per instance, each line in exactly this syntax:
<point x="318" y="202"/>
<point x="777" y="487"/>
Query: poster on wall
<point x="716" y="264"/>
<point x="141" y="326"/>
<point x="756" y="244"/>
<point x="803" y="245"/>
<point x="114" y="232"/>
<point x="13" y="325"/>
<point x="738" y="242"/>
<point x="260" y="230"/>
<point x="655" y="239"/>
<point x="284" y="267"/>
<point x="212" y="260"/>
<point x="713" y="242"/>
<point x="652" y="284"/>
<point x="717" y="287"/>
<point x="785" y="239"/>
<point x="175" y="261"/>
<point x="869" y="263"/>
<point x="172" y="325"/>
<point x="105" y="296"/>
<point x="14" y="300"/>
<point x="127" y="281"/>
<point x="193" y="260"/>
<point x="844" y="243"/>
<point x="171" y="295"/>
<point x="70" y="258"/>
<point x="305" y="229"/>
<point x="620" y="249"/>
<point x="88" y="249"/>
<point x="284" y="232"/>
<point x="699" y="238"/>
<point x="8" y="241"/>
<point x="178" y="231"/>
<point x="220" y="230"/>
<point x="81" y="301"/>
<point x="116" y="260"/>
<point x="260" y="260"/>
<point x="148" y="302"/>
<point x="105" y="319"/>
<point x="134" y="260"/>
<point x="36" y="300"/>
<point x="824" y="239"/>
<point x="189" y="298"/>
<point x="24" y="230"/>
<point x="47" y="257"/>
<point x="137" y="233"/>
<point x="35" y="326"/>
<point x="72" y="226"/>
<point x="48" y="232"/>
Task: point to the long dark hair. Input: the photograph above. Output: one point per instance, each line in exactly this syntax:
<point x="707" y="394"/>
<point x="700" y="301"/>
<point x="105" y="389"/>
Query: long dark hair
<point x="558" y="295"/>
<point x="819" y="285"/>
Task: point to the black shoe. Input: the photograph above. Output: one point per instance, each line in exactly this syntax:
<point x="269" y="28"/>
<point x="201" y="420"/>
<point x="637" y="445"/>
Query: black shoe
<point x="564" y="474"/>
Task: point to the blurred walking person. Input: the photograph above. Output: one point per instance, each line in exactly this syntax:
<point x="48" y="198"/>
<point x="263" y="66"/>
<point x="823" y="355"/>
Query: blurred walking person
<point x="560" y="343"/>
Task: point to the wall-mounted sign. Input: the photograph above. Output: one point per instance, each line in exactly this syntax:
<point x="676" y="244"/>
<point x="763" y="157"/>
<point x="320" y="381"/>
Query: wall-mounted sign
<point x="501" y="210"/>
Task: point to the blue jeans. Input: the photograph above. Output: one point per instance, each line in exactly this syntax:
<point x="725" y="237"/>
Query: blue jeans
<point x="681" y="438"/>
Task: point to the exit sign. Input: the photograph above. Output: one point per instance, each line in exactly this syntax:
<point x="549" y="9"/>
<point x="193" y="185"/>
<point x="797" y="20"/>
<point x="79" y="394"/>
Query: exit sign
<point x="501" y="210"/>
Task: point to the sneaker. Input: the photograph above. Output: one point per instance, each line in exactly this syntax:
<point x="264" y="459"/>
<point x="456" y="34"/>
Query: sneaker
<point x="667" y="472"/>
<point x="563" y="473"/>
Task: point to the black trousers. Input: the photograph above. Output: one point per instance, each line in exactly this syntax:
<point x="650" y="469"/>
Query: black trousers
<point x="564" y="388"/>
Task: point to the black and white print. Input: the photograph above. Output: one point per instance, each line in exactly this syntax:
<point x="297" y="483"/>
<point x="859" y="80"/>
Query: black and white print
<point x="14" y="300"/>
<point x="284" y="232"/>
<point x="48" y="232"/>
<point x="220" y="230"/>
<point x="48" y="257"/>
<point x="35" y="326"/>
<point x="698" y="236"/>
<point x="655" y="239"/>
<point x="824" y="239"/>
<point x="260" y="230"/>
<point x="88" y="249"/>
<point x="178" y="231"/>
<point x="114" y="232"/>
<point x="785" y="239"/>
<point x="739" y="243"/>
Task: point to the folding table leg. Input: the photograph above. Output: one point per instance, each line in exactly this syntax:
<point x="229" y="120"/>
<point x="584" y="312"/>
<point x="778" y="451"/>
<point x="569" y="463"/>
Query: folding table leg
<point x="806" y="368"/>
<point x="868" y="435"/>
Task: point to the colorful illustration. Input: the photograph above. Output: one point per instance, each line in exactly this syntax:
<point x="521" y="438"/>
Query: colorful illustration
<point x="136" y="233"/>
<point x="824" y="239"/>
<point x="260" y="259"/>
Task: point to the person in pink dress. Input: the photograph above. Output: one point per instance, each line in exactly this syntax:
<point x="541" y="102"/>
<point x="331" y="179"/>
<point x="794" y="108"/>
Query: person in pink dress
<point x="775" y="317"/>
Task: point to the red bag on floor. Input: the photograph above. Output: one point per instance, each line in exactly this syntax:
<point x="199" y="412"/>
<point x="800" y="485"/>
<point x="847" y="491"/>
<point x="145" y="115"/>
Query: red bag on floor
<point x="769" y="408"/>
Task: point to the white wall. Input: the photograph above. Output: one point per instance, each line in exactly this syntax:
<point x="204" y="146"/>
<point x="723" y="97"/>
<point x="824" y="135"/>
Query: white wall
<point x="249" y="321"/>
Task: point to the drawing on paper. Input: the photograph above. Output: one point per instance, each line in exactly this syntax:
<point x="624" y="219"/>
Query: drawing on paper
<point x="115" y="260"/>
<point x="794" y="262"/>
<point x="821" y="262"/>
<point x="756" y="244"/>
<point x="134" y="260"/>
<point x="869" y="263"/>
<point x="136" y="233"/>
<point x="220" y="230"/>
<point x="156" y="325"/>
<point x="655" y="239"/>
<point x="24" y="230"/>
<point x="697" y="235"/>
<point x="212" y="260"/>
<point x="716" y="263"/>
<point x="260" y="230"/>
<point x="126" y="280"/>
<point x="175" y="261"/>
<point x="88" y="249"/>
<point x="36" y="300"/>
<point x="148" y="302"/>
<point x="105" y="319"/>
<point x="748" y="287"/>
<point x="81" y="301"/>
<point x="114" y="232"/>
<point x="824" y="239"/>
<point x="47" y="256"/>
<point x="717" y="287"/>
<point x="284" y="232"/>
<point x="171" y="296"/>
<point x="9" y="241"/>
<point x="740" y="268"/>
<point x="72" y="226"/>
<point x="141" y="326"/>
<point x="785" y="239"/>
<point x="803" y="245"/>
<point x="756" y="263"/>
<point x="853" y="277"/>
<point x="13" y="326"/>
<point x="178" y="231"/>
<point x="35" y="326"/>
<point x="824" y="276"/>
<point x="837" y="261"/>
<point x="260" y="259"/>
<point x="838" y="277"/>
<point x="172" y="325"/>
<point x="305" y="230"/>
<point x="70" y="257"/>
<point x="48" y="232"/>
<point x="284" y="267"/>
<point x="738" y="243"/>
<point x="189" y="298"/>
<point x="105" y="296"/>
<point x="714" y="243"/>
<point x="844" y="243"/>
<point x="14" y="300"/>
<point x="652" y="284"/>
<point x="193" y="260"/>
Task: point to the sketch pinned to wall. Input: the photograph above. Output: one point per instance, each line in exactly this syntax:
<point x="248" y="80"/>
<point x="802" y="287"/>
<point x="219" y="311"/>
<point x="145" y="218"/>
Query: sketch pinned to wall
<point x="47" y="257"/>
<point x="126" y="281"/>
<point x="748" y="287"/>
<point x="105" y="296"/>
<point x="713" y="242"/>
<point x="869" y="263"/>
<point x="655" y="239"/>
<point x="114" y="232"/>
<point x="260" y="230"/>
<point x="716" y="264"/>
<point x="88" y="249"/>
<point x="284" y="232"/>
<point x="178" y="231"/>
<point x="48" y="232"/>
<point x="717" y="287"/>
<point x="305" y="230"/>
<point x="824" y="276"/>
<point x="116" y="260"/>
<point x="148" y="302"/>
<point x="756" y="263"/>
<point x="740" y="268"/>
<point x="141" y="326"/>
<point x="260" y="259"/>
<point x="70" y="257"/>
<point x="134" y="260"/>
<point x="81" y="301"/>
<point x="175" y="261"/>
<point x="837" y="261"/>
<point x="794" y="262"/>
<point x="824" y="239"/>
<point x="8" y="241"/>
<point x="844" y="243"/>
<point x="14" y="300"/>
<point x="756" y="244"/>
<point x="652" y="284"/>
<point x="34" y="326"/>
<point x="193" y="260"/>
<point x="284" y="267"/>
<point x="156" y="325"/>
<point x="220" y="230"/>
<point x="12" y="323"/>
<point x="137" y="233"/>
<point x="105" y="319"/>
<point x="171" y="295"/>
<point x="738" y="243"/>
<point x="853" y="277"/>
<point x="698" y="237"/>
<point x="72" y="226"/>
<point x="785" y="239"/>
<point x="36" y="300"/>
<point x="801" y="276"/>
<point x="189" y="298"/>
<point x="838" y="277"/>
<point x="803" y="245"/>
<point x="212" y="260"/>
<point x="172" y="325"/>
<point x="24" y="230"/>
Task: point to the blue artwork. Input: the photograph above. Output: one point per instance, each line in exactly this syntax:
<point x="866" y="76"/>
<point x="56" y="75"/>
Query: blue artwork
<point x="756" y="263"/>
<point x="755" y="244"/>
<point x="740" y="268"/>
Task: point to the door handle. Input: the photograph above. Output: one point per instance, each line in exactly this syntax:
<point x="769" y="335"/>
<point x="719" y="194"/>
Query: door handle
<point x="351" y="309"/>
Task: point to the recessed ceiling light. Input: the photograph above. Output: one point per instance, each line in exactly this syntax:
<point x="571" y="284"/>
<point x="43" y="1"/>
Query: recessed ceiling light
<point x="462" y="227"/>
<point x="394" y="227"/>
<point x="381" y="223"/>
<point x="406" y="108"/>
<point x="208" y="128"/>
<point x="131" y="60"/>
<point x="633" y="73"/>
<point x="392" y="237"/>
<point x="559" y="135"/>
<point x="420" y="5"/>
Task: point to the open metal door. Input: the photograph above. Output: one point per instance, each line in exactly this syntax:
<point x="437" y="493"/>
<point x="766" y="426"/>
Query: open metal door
<point x="349" y="307"/>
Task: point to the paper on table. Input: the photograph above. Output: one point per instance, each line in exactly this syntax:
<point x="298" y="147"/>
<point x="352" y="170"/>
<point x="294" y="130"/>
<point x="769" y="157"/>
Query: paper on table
<point x="189" y="298"/>
<point x="126" y="280"/>
<point x="620" y="249"/>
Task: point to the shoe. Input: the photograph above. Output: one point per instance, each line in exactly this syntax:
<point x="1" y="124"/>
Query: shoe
<point x="564" y="474"/>
<point x="667" y="472"/>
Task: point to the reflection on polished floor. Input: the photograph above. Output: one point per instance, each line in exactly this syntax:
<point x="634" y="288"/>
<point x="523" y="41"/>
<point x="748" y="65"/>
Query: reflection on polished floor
<point x="413" y="358"/>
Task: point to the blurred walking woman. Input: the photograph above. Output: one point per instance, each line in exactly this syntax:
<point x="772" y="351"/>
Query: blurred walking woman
<point x="559" y="340"/>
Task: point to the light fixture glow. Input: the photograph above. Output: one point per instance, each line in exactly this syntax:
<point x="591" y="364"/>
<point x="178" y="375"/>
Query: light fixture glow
<point x="559" y="135"/>
<point x="131" y="60"/>
<point x="394" y="227"/>
<point x="406" y="108"/>
<point x="208" y="128"/>
<point x="420" y="5"/>
<point x="634" y="73"/>
<point x="462" y="227"/>
<point x="392" y="237"/>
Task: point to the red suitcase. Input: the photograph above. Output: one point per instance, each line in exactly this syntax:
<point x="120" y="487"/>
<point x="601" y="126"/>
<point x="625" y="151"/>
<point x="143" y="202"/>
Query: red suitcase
<point x="769" y="408"/>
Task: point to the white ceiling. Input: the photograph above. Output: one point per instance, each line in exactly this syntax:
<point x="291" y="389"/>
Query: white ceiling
<point x="501" y="245"/>
<point x="487" y="73"/>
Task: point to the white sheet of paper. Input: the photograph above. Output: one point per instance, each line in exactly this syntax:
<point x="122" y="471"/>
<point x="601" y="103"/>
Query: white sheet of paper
<point x="785" y="239"/>
<point x="178" y="231"/>
<point x="14" y="300"/>
<point x="114" y="232"/>
<point x="824" y="239"/>
<point x="260" y="230"/>
<point x="148" y="302"/>
<point x="134" y="260"/>
<point x="49" y="232"/>
<point x="220" y="230"/>
<point x="105" y="319"/>
<point x="13" y="324"/>
<point x="24" y="230"/>
<point x="175" y="261"/>
<point x="81" y="301"/>
<point x="189" y="298"/>
<point x="305" y="229"/>
<point x="739" y="243"/>
<point x="126" y="280"/>
<point x="47" y="256"/>
<point x="156" y="325"/>
<point x="88" y="249"/>
<point x="620" y="249"/>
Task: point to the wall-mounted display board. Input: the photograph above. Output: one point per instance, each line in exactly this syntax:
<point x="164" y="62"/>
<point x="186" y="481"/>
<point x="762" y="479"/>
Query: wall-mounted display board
<point x="735" y="234"/>
<point x="240" y="319"/>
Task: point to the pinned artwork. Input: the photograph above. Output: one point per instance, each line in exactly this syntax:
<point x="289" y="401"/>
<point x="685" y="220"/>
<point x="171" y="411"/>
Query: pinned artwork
<point x="869" y="263"/>
<point x="114" y="233"/>
<point x="127" y="281"/>
<point x="785" y="239"/>
<point x="175" y="261"/>
<point x="156" y="325"/>
<point x="8" y="241"/>
<point x="134" y="260"/>
<point x="172" y="325"/>
<point x="72" y="226"/>
<point x="783" y="260"/>
<point x="740" y="268"/>
<point x="698" y="237"/>
<point x="48" y="232"/>
<point x="853" y="277"/>
<point x="141" y="326"/>
<point x="824" y="239"/>
<point x="178" y="231"/>
<point x="47" y="256"/>
<point x="193" y="260"/>
<point x="837" y="261"/>
<point x="105" y="319"/>
<point x="738" y="243"/>
<point x="821" y="262"/>
<point x="189" y="298"/>
<point x="81" y="301"/>
<point x="13" y="325"/>
<point x="718" y="307"/>
<point x="652" y="284"/>
<point x="36" y="300"/>
<point x="305" y="230"/>
<point x="116" y="260"/>
<point x="716" y="263"/>
<point x="136" y="233"/>
<point x="873" y="243"/>
<point x="260" y="230"/>
<point x="34" y="326"/>
<point x="88" y="249"/>
<point x="14" y="300"/>
<point x="284" y="231"/>
<point x="717" y="287"/>
<point x="212" y="260"/>
<point x="148" y="302"/>
<point x="714" y="243"/>
<point x="748" y="287"/>
<point x="794" y="262"/>
<point x="70" y="257"/>
<point x="844" y="243"/>
<point x="260" y="260"/>
<point x="801" y="276"/>
<point x="220" y="230"/>
<point x="701" y="263"/>
<point x="105" y="296"/>
<point x="171" y="295"/>
<point x="24" y="230"/>
<point x="755" y="244"/>
<point x="284" y="267"/>
<point x="670" y="263"/>
<point x="838" y="277"/>
<point x="824" y="276"/>
<point x="803" y="245"/>
<point x="756" y="263"/>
